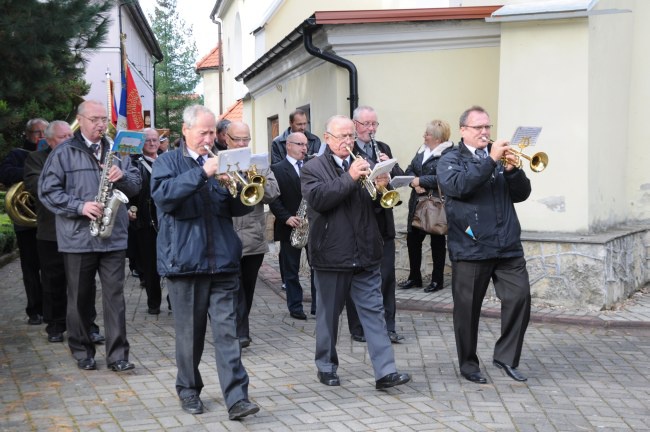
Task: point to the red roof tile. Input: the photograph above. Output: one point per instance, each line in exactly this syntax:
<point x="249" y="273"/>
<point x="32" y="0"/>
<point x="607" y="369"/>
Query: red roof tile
<point x="210" y="61"/>
<point x="234" y="112"/>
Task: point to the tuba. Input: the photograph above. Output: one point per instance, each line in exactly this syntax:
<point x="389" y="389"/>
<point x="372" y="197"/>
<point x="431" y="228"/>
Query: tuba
<point x="20" y="205"/>
<point x="111" y="198"/>
<point x="300" y="234"/>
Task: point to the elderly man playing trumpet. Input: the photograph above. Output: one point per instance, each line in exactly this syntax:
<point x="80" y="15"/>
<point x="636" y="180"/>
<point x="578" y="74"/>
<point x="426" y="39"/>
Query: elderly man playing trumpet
<point x="345" y="251"/>
<point x="484" y="242"/>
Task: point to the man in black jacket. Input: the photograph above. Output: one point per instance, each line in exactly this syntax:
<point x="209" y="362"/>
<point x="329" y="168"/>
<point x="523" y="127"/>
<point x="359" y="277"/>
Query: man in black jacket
<point x="366" y="124"/>
<point x="284" y="208"/>
<point x="484" y="242"/>
<point x="11" y="172"/>
<point x="297" y="123"/>
<point x="345" y="251"/>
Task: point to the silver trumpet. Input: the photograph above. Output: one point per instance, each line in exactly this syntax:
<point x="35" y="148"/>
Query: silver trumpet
<point x="370" y="186"/>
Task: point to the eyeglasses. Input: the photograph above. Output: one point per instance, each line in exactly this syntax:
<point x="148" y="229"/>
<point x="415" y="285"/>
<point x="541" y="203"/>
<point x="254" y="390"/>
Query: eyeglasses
<point x="298" y="143"/>
<point x="239" y="139"/>
<point x="480" y="128"/>
<point x="152" y="140"/>
<point x="367" y="124"/>
<point x="95" y="120"/>
<point x="343" y="137"/>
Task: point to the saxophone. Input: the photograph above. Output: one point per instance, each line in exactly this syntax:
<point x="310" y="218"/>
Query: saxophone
<point x="300" y="234"/>
<point x="111" y="198"/>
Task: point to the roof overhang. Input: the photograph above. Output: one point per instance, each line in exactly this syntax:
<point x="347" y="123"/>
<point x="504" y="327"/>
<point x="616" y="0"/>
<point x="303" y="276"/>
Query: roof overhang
<point x="319" y="19"/>
<point x="141" y="23"/>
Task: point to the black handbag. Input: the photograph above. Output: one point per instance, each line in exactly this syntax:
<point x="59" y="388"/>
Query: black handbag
<point x="429" y="215"/>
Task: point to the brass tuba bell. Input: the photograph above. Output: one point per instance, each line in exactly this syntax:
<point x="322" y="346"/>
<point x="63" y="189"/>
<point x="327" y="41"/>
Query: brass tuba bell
<point x="20" y="206"/>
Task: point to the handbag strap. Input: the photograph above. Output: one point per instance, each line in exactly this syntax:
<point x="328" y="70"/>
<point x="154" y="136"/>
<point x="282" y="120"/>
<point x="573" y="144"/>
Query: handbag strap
<point x="442" y="197"/>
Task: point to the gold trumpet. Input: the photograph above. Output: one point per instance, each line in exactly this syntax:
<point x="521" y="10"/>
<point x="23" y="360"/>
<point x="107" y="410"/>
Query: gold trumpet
<point x="538" y="161"/>
<point x="252" y="191"/>
<point x="389" y="199"/>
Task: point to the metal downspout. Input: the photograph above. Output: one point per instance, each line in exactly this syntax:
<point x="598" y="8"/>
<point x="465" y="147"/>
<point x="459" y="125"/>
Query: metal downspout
<point x="217" y="21"/>
<point x="309" y="26"/>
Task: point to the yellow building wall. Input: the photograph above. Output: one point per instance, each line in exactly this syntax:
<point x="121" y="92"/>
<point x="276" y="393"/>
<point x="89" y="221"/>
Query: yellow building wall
<point x="544" y="82"/>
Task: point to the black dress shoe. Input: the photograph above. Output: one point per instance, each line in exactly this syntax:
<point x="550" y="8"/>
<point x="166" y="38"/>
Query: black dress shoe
<point x="475" y="377"/>
<point x="433" y="287"/>
<point x="121" y="366"/>
<point x="35" y="320"/>
<point x="395" y="337"/>
<point x="55" y="337"/>
<point x="511" y="371"/>
<point x="244" y="341"/>
<point x="242" y="409"/>
<point x="358" y="338"/>
<point x="298" y="315"/>
<point x="96" y="337"/>
<point x="410" y="284"/>
<point x="392" y="380"/>
<point x="87" y="364"/>
<point x="153" y="311"/>
<point x="192" y="404"/>
<point x="329" y="378"/>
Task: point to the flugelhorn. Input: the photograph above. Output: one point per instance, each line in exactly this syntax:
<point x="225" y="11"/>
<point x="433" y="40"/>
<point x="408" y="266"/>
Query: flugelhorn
<point x="252" y="191"/>
<point x="370" y="186"/>
<point x="538" y="161"/>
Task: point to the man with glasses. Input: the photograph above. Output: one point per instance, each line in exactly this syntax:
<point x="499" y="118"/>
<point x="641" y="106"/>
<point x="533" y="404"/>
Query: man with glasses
<point x="297" y="123"/>
<point x="68" y="187"/>
<point x="345" y="251"/>
<point x="251" y="229"/>
<point x="366" y="125"/>
<point x="287" y="173"/>
<point x="484" y="242"/>
<point x="11" y="172"/>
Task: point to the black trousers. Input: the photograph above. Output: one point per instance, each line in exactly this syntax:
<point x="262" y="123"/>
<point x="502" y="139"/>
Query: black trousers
<point x="146" y="260"/>
<point x="31" y="268"/>
<point x="249" y="268"/>
<point x="54" y="286"/>
<point x="80" y="270"/>
<point x="469" y="282"/>
<point x="388" y="282"/>
<point x="414" y="240"/>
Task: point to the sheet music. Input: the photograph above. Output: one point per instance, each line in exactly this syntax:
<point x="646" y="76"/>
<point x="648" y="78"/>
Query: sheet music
<point x="128" y="142"/>
<point x="261" y="161"/>
<point x="382" y="167"/>
<point x="234" y="160"/>
<point x="525" y="136"/>
<point x="401" y="181"/>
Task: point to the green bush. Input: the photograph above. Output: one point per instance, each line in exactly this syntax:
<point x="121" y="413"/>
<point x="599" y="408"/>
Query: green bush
<point x="7" y="235"/>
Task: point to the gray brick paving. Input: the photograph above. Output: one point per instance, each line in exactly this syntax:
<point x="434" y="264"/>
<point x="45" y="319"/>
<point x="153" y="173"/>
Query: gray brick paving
<point x="584" y="373"/>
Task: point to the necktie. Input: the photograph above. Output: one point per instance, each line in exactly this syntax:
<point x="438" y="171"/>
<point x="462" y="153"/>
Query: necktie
<point x="480" y="153"/>
<point x="95" y="149"/>
<point x="299" y="165"/>
<point x="345" y="165"/>
<point x="200" y="160"/>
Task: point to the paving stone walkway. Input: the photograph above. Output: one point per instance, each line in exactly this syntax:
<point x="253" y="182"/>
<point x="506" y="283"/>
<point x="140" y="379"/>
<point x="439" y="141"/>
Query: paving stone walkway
<point x="585" y="374"/>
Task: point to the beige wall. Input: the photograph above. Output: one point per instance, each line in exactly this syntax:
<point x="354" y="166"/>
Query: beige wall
<point x="211" y="90"/>
<point x="544" y="82"/>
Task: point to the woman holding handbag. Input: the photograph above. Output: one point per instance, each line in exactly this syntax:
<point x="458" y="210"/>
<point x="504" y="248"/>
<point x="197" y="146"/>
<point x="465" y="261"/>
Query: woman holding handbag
<point x="423" y="167"/>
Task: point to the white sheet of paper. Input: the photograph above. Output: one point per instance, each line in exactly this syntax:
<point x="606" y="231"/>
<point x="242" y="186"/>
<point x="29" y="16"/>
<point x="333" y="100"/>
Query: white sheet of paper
<point x="382" y="168"/>
<point x="261" y="161"/>
<point x="234" y="160"/>
<point x="526" y="135"/>
<point x="401" y="181"/>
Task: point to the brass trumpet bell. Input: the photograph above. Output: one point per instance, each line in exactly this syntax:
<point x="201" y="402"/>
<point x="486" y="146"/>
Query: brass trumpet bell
<point x="251" y="194"/>
<point x="389" y="199"/>
<point x="538" y="161"/>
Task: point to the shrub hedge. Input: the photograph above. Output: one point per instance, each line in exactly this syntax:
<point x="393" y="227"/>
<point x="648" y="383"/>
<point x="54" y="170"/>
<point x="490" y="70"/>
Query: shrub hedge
<point x="7" y="235"/>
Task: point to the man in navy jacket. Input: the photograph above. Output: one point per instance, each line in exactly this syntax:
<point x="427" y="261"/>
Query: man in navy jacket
<point x="484" y="242"/>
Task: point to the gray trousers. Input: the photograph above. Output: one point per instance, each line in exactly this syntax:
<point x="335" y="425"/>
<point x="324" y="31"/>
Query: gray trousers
<point x="80" y="270"/>
<point x="332" y="288"/>
<point x="194" y="299"/>
<point x="469" y="282"/>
